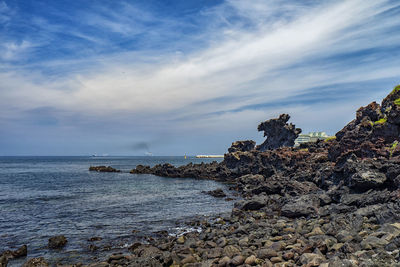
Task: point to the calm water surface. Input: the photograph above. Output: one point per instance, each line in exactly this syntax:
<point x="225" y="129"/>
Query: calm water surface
<point x="45" y="196"/>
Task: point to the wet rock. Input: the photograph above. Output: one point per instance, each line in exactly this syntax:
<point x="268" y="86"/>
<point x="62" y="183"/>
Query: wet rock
<point x="215" y="193"/>
<point x="21" y="252"/>
<point x="57" y="241"/>
<point x="103" y="169"/>
<point x="93" y="248"/>
<point x="36" y="262"/>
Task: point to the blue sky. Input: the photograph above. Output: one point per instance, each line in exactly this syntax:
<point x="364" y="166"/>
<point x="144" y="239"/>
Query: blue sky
<point x="175" y="77"/>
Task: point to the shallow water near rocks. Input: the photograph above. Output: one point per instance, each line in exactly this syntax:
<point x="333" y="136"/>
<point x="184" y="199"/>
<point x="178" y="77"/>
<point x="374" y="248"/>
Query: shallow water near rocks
<point x="45" y="196"/>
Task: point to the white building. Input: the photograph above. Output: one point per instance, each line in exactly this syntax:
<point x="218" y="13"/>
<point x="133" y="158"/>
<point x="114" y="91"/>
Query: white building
<point x="310" y="137"/>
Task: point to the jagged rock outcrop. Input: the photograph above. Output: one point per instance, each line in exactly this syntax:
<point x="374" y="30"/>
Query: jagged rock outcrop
<point x="374" y="132"/>
<point x="214" y="170"/>
<point x="242" y="146"/>
<point x="278" y="132"/>
<point x="103" y="169"/>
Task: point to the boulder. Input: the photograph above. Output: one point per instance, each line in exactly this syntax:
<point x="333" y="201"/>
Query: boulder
<point x="299" y="207"/>
<point x="359" y="174"/>
<point x="21" y="252"/>
<point x="57" y="241"/>
<point x="253" y="204"/>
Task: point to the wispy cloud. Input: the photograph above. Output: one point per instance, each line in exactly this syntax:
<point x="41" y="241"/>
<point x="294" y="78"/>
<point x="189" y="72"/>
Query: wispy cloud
<point x="260" y="57"/>
<point x="14" y="50"/>
<point x="5" y="13"/>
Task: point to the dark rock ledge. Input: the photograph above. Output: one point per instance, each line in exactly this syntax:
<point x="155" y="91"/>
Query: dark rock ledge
<point x="103" y="169"/>
<point x="330" y="203"/>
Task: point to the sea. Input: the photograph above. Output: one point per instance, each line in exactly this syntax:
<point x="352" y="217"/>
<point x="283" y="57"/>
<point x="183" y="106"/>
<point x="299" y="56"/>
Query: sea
<point x="41" y="197"/>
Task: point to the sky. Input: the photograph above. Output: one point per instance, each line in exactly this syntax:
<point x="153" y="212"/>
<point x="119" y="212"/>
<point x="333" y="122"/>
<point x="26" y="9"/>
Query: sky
<point x="175" y="77"/>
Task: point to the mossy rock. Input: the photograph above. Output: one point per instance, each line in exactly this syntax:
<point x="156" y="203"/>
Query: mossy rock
<point x="381" y="121"/>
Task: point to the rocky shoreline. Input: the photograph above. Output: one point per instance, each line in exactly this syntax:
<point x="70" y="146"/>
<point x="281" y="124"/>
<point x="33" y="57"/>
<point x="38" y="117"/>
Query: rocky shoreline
<point x="331" y="203"/>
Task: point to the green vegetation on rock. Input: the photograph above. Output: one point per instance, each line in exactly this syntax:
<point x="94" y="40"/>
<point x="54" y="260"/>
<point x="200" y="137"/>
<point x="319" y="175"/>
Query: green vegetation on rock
<point x="397" y="102"/>
<point x="393" y="148"/>
<point x="381" y="121"/>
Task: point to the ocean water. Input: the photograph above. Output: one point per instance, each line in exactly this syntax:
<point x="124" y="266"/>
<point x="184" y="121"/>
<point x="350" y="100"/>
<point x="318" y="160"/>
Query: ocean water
<point x="45" y="196"/>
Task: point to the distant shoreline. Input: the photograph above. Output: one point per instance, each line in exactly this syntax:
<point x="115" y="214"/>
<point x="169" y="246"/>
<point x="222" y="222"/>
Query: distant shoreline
<point x="209" y="156"/>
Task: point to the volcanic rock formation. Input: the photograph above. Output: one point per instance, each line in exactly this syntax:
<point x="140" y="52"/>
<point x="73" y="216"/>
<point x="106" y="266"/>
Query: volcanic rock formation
<point x="278" y="132"/>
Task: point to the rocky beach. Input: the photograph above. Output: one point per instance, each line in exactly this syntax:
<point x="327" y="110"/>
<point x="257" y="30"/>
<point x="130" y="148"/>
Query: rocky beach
<point x="335" y="202"/>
